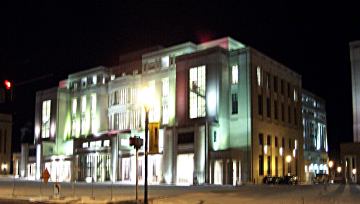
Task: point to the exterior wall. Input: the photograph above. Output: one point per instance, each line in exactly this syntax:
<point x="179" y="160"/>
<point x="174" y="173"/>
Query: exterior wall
<point x="221" y="147"/>
<point x="350" y="155"/>
<point x="289" y="129"/>
<point x="355" y="76"/>
<point x="5" y="142"/>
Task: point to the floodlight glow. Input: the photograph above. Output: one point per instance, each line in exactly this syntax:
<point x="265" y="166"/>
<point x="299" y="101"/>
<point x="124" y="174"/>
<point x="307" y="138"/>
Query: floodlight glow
<point x="354" y="171"/>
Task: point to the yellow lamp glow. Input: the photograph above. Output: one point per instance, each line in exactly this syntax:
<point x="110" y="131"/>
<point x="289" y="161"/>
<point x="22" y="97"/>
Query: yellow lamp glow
<point x="288" y="158"/>
<point x="331" y="164"/>
<point x="338" y="169"/>
<point x="354" y="171"/>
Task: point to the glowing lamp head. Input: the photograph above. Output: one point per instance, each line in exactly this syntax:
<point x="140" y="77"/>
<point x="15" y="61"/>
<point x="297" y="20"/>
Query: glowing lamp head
<point x="7" y="84"/>
<point x="288" y="158"/>
<point x="146" y="97"/>
<point x="354" y="171"/>
<point x="338" y="169"/>
<point x="331" y="164"/>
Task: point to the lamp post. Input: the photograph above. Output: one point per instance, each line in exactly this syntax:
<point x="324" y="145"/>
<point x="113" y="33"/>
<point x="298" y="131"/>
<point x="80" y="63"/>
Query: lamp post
<point x="288" y="160"/>
<point x="331" y="164"/>
<point x="146" y="153"/>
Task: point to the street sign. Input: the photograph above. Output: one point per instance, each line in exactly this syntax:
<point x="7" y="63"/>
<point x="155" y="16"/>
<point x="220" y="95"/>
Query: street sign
<point x="46" y="175"/>
<point x="154" y="137"/>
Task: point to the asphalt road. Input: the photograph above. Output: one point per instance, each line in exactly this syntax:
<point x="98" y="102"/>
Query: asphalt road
<point x="103" y="192"/>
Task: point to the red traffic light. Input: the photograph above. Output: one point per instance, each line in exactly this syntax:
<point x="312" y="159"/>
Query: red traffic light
<point x="7" y="84"/>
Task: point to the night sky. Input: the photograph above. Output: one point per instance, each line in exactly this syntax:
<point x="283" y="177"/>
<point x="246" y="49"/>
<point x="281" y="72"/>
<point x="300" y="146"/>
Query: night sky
<point x="41" y="43"/>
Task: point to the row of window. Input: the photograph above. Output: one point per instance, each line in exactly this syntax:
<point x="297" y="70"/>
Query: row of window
<point x="98" y="143"/>
<point x="263" y="76"/>
<point x="269" y="166"/>
<point x="276" y="110"/>
<point x="88" y="81"/>
<point x="292" y="144"/>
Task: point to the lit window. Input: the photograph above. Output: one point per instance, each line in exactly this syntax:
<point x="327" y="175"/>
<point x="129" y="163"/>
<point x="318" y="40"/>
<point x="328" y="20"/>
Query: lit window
<point x="93" y="113"/>
<point x="234" y="74"/>
<point x="73" y="117"/>
<point x="106" y="143"/>
<point x="85" y="145"/>
<point x="165" y="61"/>
<point x="98" y="143"/>
<point x="258" y="75"/>
<point x="112" y="77"/>
<point x="197" y="84"/>
<point x="165" y="100"/>
<point x="295" y="95"/>
<point x="45" y="130"/>
<point x="83" y="114"/>
<point x="83" y="82"/>
<point x="94" y="79"/>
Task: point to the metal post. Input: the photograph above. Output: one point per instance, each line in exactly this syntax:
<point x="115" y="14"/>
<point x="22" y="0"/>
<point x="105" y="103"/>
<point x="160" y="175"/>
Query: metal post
<point x="146" y="155"/>
<point x="137" y="175"/>
<point x="13" y="190"/>
<point x="92" y="188"/>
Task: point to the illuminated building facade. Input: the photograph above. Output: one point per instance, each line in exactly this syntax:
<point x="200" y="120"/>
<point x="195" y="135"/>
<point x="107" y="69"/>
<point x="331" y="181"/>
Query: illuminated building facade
<point x="227" y="113"/>
<point x="5" y="142"/>
<point x="315" y="135"/>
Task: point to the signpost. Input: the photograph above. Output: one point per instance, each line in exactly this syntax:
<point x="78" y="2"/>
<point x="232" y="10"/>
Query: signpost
<point x="137" y="142"/>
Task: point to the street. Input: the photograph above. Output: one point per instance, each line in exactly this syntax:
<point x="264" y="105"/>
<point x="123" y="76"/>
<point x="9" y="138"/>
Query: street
<point x="105" y="192"/>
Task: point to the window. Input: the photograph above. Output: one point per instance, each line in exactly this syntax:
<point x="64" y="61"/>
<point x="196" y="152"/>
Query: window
<point x="165" y="61"/>
<point x="165" y="100"/>
<point x="268" y="81"/>
<point x="289" y="143"/>
<point x="269" y="140"/>
<point x="234" y="74"/>
<point x="115" y="98"/>
<point x="106" y="143"/>
<point x="83" y="82"/>
<point x="295" y="95"/>
<point x="197" y="85"/>
<point x="269" y="165"/>
<point x="94" y="79"/>
<point x="116" y="121"/>
<point x="283" y="142"/>
<point x="289" y="114"/>
<point x="260" y="105"/>
<point x="282" y="112"/>
<point x="276" y="141"/>
<point x="276" y="109"/>
<point x="83" y="115"/>
<point x="268" y="108"/>
<point x="45" y="127"/>
<point x="215" y="136"/>
<point x="73" y="117"/>
<point x="93" y="113"/>
<point x="85" y="145"/>
<point x="288" y="89"/>
<point x="275" y="84"/>
<point x="258" y="75"/>
<point x="261" y="165"/>
<point x="234" y="103"/>
<point x="282" y="86"/>
<point x="276" y="166"/>
<point x="295" y="116"/>
<point x="261" y="139"/>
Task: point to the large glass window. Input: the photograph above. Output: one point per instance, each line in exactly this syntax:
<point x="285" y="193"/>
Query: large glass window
<point x="93" y="113"/>
<point x="165" y="61"/>
<point x="45" y="127"/>
<point x="260" y="105"/>
<point x="73" y="117"/>
<point x="234" y="74"/>
<point x="268" y="107"/>
<point x="197" y="80"/>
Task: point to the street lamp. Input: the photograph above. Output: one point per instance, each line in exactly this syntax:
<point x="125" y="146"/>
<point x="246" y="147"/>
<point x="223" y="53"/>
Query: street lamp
<point x="288" y="160"/>
<point x="338" y="169"/>
<point x="331" y="164"/>
<point x="147" y="96"/>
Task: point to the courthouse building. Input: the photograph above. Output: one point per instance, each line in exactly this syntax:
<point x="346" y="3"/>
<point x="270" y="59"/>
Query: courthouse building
<point x="228" y="114"/>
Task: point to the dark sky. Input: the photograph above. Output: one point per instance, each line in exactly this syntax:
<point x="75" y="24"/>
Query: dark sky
<point x="52" y="39"/>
